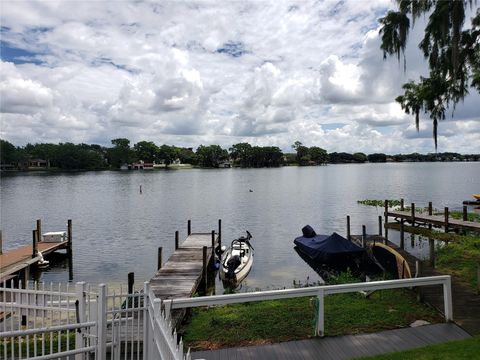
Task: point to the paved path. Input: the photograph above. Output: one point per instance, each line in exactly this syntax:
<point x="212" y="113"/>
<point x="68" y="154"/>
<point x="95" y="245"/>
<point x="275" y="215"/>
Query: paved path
<point x="343" y="347"/>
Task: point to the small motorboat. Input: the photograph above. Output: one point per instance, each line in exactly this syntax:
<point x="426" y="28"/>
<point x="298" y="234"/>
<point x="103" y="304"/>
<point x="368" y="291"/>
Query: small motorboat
<point x="476" y="196"/>
<point x="333" y="249"/>
<point x="237" y="260"/>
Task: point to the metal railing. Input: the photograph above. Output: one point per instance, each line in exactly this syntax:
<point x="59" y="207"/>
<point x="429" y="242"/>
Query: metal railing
<point x="320" y="292"/>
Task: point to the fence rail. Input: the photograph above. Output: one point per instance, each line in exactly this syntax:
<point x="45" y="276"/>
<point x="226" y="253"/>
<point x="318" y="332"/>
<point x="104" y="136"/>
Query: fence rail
<point x="320" y="292"/>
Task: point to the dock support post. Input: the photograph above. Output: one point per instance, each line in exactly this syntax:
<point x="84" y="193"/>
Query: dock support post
<point x="431" y="245"/>
<point x="1" y="242"/>
<point x="413" y="214"/>
<point x="39" y="230"/>
<point x="349" y="236"/>
<point x="131" y="282"/>
<point x="446" y="219"/>
<point x="220" y="233"/>
<point x="34" y="243"/>
<point x="447" y="299"/>
<point x="430" y="213"/>
<point x="402" y="205"/>
<point x="386" y="221"/>
<point x="418" y="273"/>
<point x="364" y="236"/>
<point x="465" y="213"/>
<point x="380" y="225"/>
<point x="159" y="258"/>
<point x="176" y="240"/>
<point x="402" y="234"/>
<point x="213" y="244"/>
<point x="205" y="268"/>
<point x="69" y="237"/>
<point x="189" y="227"/>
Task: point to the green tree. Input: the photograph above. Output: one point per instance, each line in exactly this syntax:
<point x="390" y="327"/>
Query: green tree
<point x="453" y="54"/>
<point x="8" y="152"/>
<point x="377" y="157"/>
<point x="167" y="154"/>
<point x="360" y="157"/>
<point x="319" y="155"/>
<point x="120" y="154"/>
<point x="242" y="153"/>
<point x="303" y="156"/>
<point x="146" y="151"/>
<point x="211" y="156"/>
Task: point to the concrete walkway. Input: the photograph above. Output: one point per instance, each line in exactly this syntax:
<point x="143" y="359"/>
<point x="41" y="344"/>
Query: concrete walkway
<point x="343" y="347"/>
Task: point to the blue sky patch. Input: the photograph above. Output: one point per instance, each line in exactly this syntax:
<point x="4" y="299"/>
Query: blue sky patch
<point x="16" y="55"/>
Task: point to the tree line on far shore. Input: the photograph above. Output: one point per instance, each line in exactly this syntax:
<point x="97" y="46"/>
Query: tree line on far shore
<point x="69" y="156"/>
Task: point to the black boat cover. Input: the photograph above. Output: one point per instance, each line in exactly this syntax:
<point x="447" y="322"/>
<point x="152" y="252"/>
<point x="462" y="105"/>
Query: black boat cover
<point x="327" y="248"/>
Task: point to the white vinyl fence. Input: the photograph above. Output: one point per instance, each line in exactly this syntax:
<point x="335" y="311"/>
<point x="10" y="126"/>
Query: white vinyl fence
<point x="320" y="292"/>
<point x="65" y="321"/>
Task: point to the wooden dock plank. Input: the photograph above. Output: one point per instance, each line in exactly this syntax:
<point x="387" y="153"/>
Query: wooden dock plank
<point x="12" y="261"/>
<point x="345" y="347"/>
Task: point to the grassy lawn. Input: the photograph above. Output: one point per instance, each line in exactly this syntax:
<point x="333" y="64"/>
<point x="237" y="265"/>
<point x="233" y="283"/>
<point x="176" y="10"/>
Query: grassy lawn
<point x="453" y="350"/>
<point x="293" y="319"/>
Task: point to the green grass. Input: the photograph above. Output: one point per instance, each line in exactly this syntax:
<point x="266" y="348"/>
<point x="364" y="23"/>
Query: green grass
<point x="454" y="350"/>
<point x="50" y="338"/>
<point x="293" y="319"/>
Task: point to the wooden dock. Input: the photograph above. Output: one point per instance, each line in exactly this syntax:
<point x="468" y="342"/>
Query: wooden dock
<point x="20" y="259"/>
<point x="414" y="217"/>
<point x="187" y="268"/>
<point x="343" y="347"/>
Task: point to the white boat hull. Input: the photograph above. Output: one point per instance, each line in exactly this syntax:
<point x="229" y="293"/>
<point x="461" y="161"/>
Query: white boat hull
<point x="245" y="254"/>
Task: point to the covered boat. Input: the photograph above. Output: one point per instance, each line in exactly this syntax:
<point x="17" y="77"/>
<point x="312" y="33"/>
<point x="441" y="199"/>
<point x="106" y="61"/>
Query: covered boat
<point x="332" y="248"/>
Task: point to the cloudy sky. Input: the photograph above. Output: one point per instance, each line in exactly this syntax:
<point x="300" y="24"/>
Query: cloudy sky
<point x="214" y="72"/>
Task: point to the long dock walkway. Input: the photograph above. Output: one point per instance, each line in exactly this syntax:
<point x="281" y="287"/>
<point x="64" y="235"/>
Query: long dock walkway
<point x="182" y="273"/>
<point x="12" y="261"/>
<point x="434" y="220"/>
<point x="343" y="347"/>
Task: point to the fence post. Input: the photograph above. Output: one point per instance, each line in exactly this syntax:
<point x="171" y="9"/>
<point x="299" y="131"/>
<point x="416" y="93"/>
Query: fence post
<point x="447" y="299"/>
<point x="146" y="318"/>
<point x="102" y="322"/>
<point x="80" y="305"/>
<point x="320" y="325"/>
<point x="349" y="237"/>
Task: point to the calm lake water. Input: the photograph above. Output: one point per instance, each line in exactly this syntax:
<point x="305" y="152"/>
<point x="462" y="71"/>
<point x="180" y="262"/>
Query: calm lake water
<point x="117" y="230"/>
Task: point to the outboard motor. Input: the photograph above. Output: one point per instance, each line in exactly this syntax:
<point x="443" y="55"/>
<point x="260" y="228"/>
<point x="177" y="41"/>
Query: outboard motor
<point x="232" y="263"/>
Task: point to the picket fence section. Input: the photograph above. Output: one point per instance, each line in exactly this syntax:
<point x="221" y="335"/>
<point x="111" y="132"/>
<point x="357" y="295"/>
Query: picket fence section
<point x="65" y="321"/>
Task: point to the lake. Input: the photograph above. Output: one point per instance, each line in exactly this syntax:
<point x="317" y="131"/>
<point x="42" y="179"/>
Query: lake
<point x="117" y="229"/>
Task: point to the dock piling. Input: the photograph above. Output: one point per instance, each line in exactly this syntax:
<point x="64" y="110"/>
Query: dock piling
<point x="176" y="240"/>
<point x="402" y="234"/>
<point x="430" y="213"/>
<point x="131" y="282"/>
<point x="446" y="219"/>
<point x="402" y="205"/>
<point x="465" y="213"/>
<point x="349" y="237"/>
<point x="380" y="225"/>
<point x="413" y="214"/>
<point x="34" y="243"/>
<point x="69" y="236"/>
<point x="213" y="244"/>
<point x="364" y="236"/>
<point x="386" y="221"/>
<point x="431" y="246"/>
<point x="219" y="233"/>
<point x="39" y="230"/>
<point x="189" y="227"/>
<point x="1" y="242"/>
<point x="204" y="259"/>
<point x="159" y="258"/>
